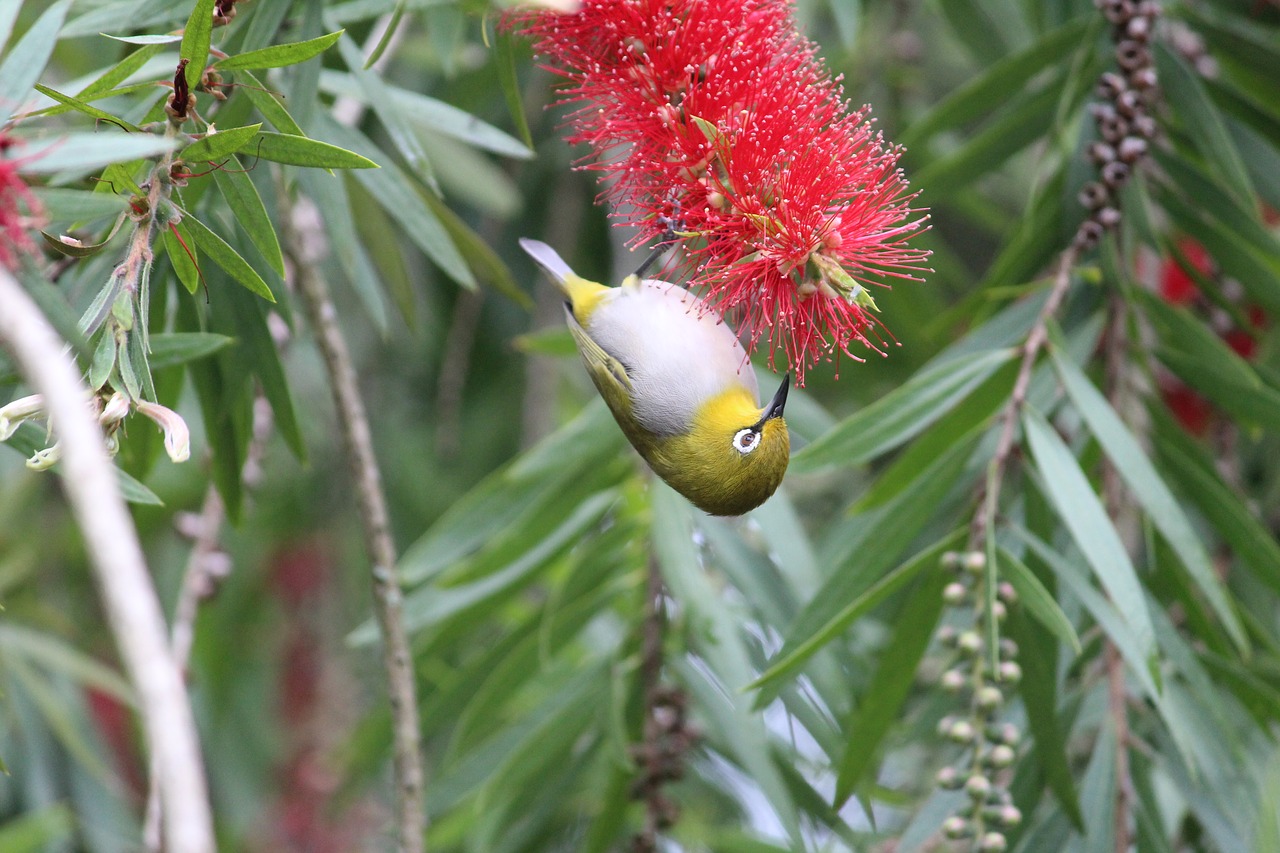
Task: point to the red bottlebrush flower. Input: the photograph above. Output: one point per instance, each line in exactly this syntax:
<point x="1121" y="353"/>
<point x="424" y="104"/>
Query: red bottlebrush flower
<point x="1176" y="284"/>
<point x="13" y="191"/>
<point x="718" y="117"/>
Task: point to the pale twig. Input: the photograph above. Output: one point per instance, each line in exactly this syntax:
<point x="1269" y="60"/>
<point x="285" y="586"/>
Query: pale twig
<point x="129" y="599"/>
<point x="396" y="658"/>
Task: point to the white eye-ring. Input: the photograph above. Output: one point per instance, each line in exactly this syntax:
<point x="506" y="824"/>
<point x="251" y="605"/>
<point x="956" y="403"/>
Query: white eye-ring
<point x="746" y="440"/>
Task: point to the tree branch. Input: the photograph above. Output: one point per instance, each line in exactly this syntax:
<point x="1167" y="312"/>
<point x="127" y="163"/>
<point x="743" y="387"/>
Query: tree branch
<point x="396" y="658"/>
<point x="1035" y="341"/>
<point x="129" y="599"/>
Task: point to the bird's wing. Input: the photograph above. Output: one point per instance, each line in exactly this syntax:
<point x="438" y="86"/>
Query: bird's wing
<point x="609" y="374"/>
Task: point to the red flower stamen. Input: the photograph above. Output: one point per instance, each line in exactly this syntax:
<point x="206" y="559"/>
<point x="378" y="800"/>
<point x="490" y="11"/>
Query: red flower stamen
<point x="719" y="117"/>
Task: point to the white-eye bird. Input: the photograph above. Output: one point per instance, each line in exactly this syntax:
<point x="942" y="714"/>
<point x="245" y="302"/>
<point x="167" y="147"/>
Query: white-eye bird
<point x="679" y="384"/>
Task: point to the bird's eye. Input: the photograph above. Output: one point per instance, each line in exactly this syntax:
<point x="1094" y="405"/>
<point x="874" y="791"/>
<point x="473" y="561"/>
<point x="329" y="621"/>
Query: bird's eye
<point x="745" y="440"/>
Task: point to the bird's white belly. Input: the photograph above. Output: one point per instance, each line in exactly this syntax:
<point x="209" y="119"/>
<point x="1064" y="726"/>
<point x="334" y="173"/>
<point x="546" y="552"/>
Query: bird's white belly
<point x="676" y="351"/>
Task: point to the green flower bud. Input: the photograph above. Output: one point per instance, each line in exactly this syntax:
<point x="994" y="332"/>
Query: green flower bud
<point x="993" y="842"/>
<point x="1007" y="593"/>
<point x="948" y="778"/>
<point x="953" y="594"/>
<point x="969" y="642"/>
<point x="961" y="731"/>
<point x="1010" y="672"/>
<point x="978" y="786"/>
<point x="1010" y="816"/>
<point x="953" y="681"/>
<point x="975" y="562"/>
<point x="989" y="698"/>
<point x="1001" y="755"/>
<point x="956" y="827"/>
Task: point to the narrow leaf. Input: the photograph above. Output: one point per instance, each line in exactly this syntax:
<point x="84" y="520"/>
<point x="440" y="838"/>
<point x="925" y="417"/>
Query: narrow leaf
<point x="1082" y="513"/>
<point x="901" y="414"/>
<point x="81" y="106"/>
<point x="246" y="206"/>
<point x="221" y="253"/>
<point x="1037" y="600"/>
<point x="215" y="146"/>
<point x="85" y="152"/>
<point x="881" y="703"/>
<point x="280" y="55"/>
<point x="27" y="59"/>
<point x="196" y="38"/>
<point x="789" y="664"/>
<point x="268" y="104"/>
<point x="172" y="348"/>
<point x="1149" y="488"/>
<point x="302" y="151"/>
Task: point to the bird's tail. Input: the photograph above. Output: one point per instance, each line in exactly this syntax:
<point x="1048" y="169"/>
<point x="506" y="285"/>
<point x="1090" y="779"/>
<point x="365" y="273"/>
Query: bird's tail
<point x="582" y="295"/>
<point x="547" y="258"/>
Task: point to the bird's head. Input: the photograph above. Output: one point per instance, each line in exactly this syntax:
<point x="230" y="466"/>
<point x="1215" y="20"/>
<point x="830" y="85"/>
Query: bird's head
<point x="735" y="453"/>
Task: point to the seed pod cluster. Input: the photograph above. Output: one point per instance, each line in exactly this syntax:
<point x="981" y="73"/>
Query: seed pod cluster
<point x="989" y="745"/>
<point x="1123" y="116"/>
<point x="668" y="737"/>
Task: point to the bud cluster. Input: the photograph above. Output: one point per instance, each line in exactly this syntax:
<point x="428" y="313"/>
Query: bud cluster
<point x="668" y="737"/>
<point x="1123" y="118"/>
<point x="989" y="745"/>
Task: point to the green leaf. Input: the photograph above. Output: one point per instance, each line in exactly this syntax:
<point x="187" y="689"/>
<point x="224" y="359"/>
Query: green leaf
<point x="118" y="73"/>
<point x="1021" y="121"/>
<point x="1104" y="612"/>
<point x="404" y="202"/>
<point x="504" y="500"/>
<point x="969" y="417"/>
<point x="280" y="55"/>
<point x="1039" y="690"/>
<point x="431" y="604"/>
<point x="718" y="640"/>
<point x="881" y="702"/>
<point x="173" y="348"/>
<point x="66" y="205"/>
<point x="789" y="662"/>
<point x="434" y="116"/>
<point x="302" y="151"/>
<point x="1080" y="510"/>
<point x="268" y="104"/>
<point x="81" y="106"/>
<point x="104" y="361"/>
<point x="334" y="203"/>
<point x="902" y="414"/>
<point x="215" y="146"/>
<point x="85" y="152"/>
<point x="159" y="39"/>
<point x="246" y="207"/>
<point x="55" y="655"/>
<point x="1186" y="95"/>
<point x="26" y="61"/>
<point x="1149" y="488"/>
<point x="37" y="830"/>
<point x="260" y="350"/>
<point x="378" y="97"/>
<point x="196" y="38"/>
<point x="181" y="249"/>
<point x="1194" y="471"/>
<point x="974" y="99"/>
<point x="1038" y="601"/>
<point x="220" y="252"/>
<point x="505" y="62"/>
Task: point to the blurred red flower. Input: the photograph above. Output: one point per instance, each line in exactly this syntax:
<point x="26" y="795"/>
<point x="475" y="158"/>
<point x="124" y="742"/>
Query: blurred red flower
<point x="718" y="118"/>
<point x="13" y="195"/>
<point x="1178" y="287"/>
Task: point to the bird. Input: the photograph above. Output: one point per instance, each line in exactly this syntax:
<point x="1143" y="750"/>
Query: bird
<point x="679" y="384"/>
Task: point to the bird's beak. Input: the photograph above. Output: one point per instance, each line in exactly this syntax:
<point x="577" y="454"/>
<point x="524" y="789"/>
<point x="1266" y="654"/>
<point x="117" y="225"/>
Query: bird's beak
<point x="779" y="401"/>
